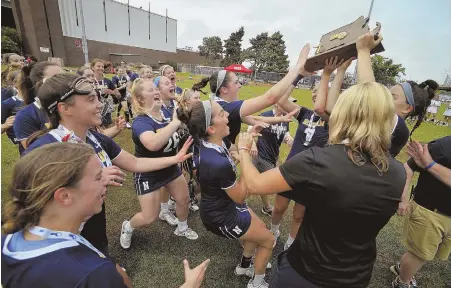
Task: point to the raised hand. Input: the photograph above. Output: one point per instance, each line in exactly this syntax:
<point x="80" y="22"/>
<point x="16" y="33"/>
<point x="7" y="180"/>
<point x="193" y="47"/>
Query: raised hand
<point x="289" y="117"/>
<point x="366" y="42"/>
<point x="182" y="155"/>
<point x="331" y="65"/>
<point x="345" y="65"/>
<point x="245" y="141"/>
<point x="257" y="128"/>
<point x="120" y="123"/>
<point x="419" y="153"/>
<point x="114" y="175"/>
<point x="303" y="56"/>
<point x="194" y="277"/>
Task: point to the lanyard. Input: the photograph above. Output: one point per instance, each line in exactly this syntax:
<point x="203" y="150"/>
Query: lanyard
<point x="63" y="135"/>
<point x="50" y="234"/>
<point x="310" y="130"/>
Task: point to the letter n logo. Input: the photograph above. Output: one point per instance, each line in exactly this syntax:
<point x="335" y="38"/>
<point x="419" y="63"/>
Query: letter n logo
<point x="237" y="230"/>
<point x="146" y="186"/>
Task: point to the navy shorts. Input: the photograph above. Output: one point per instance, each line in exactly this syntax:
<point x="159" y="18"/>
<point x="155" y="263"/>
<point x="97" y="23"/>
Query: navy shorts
<point x="283" y="275"/>
<point x="235" y="228"/>
<point x="151" y="181"/>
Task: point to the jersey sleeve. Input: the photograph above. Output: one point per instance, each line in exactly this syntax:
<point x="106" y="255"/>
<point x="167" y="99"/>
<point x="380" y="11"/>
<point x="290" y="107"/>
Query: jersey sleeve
<point x="6" y="109"/>
<point x="111" y="148"/>
<point x="110" y="84"/>
<point x="105" y="275"/>
<point x="234" y="108"/>
<point x="225" y="173"/>
<point x="141" y="125"/>
<point x="297" y="171"/>
<point x="24" y="125"/>
<point x="115" y="81"/>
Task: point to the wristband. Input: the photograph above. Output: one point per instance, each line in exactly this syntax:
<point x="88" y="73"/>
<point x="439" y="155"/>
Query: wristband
<point x="430" y="165"/>
<point x="298" y="78"/>
<point x="243" y="148"/>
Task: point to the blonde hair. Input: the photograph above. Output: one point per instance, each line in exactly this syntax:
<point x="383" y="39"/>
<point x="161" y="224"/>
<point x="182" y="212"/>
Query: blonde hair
<point x="141" y="71"/>
<point x="163" y="68"/>
<point x="136" y="92"/>
<point x="37" y="176"/>
<point x="183" y="98"/>
<point x="363" y="118"/>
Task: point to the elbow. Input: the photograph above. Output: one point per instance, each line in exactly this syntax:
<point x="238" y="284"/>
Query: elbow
<point x="251" y="187"/>
<point x="319" y="109"/>
<point x="272" y="99"/>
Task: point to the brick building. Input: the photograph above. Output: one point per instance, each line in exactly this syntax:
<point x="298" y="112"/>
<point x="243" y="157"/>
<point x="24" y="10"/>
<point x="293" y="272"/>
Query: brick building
<point x="52" y="28"/>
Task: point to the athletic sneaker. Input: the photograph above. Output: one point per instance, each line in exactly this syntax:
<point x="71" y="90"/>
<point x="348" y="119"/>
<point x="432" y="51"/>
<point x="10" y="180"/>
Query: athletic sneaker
<point x="262" y="284"/>
<point x="249" y="272"/>
<point x="395" y="270"/>
<point x="171" y="204"/>
<point x="126" y="236"/>
<point x="169" y="217"/>
<point x="193" y="205"/>
<point x="286" y="246"/>
<point x="398" y="284"/>
<point x="276" y="236"/>
<point x="267" y="211"/>
<point x="188" y="233"/>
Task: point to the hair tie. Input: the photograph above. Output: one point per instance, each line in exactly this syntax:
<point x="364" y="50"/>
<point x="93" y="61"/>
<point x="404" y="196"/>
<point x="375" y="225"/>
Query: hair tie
<point x="207" y="108"/>
<point x="157" y="81"/>
<point x="220" y="80"/>
<point x="409" y="94"/>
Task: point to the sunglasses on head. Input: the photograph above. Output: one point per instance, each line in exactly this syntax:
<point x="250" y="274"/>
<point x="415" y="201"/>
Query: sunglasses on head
<point x="80" y="86"/>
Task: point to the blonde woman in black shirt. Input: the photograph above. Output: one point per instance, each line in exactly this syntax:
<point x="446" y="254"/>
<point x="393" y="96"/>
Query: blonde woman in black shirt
<point x="351" y="189"/>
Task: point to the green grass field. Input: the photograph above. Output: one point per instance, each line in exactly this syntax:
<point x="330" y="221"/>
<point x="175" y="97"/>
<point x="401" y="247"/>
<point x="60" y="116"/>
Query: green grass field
<point x="155" y="258"/>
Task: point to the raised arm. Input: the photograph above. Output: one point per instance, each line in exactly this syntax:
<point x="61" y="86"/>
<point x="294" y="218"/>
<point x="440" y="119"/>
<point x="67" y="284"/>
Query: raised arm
<point x="365" y="44"/>
<point x="321" y="97"/>
<point x="335" y="89"/>
<point x="153" y="141"/>
<point x="273" y="95"/>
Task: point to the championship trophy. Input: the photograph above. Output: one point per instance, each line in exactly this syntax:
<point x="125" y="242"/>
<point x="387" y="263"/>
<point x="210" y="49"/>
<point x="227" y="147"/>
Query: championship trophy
<point x="342" y="43"/>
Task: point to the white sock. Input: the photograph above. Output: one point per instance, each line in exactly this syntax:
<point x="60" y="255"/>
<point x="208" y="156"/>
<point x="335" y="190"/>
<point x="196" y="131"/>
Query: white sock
<point x="258" y="279"/>
<point x="290" y="240"/>
<point x="164" y="207"/>
<point x="183" y="225"/>
<point x="274" y="227"/>
<point x="128" y="227"/>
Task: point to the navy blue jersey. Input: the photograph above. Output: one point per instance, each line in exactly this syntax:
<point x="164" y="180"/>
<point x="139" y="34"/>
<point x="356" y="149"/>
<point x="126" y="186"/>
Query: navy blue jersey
<point x="55" y="264"/>
<point x="10" y="107"/>
<point x="7" y="93"/>
<point x="319" y="138"/>
<point x="268" y="144"/>
<point x="29" y="120"/>
<point x="168" y="111"/>
<point x="178" y="90"/>
<point x="144" y="123"/>
<point x="105" y="83"/>
<point x="107" y="146"/>
<point x="133" y="76"/>
<point x="217" y="173"/>
<point x="119" y="81"/>
<point x="233" y="108"/>
<point x="400" y="136"/>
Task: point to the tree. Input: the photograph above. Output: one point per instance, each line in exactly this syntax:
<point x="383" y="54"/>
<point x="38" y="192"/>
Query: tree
<point x="232" y="48"/>
<point x="274" y="54"/>
<point x="211" y="49"/>
<point x="11" y="42"/>
<point x="385" y="71"/>
<point x="254" y="54"/>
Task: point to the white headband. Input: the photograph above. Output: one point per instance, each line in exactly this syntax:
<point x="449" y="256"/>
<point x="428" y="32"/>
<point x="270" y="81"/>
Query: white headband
<point x="220" y="80"/>
<point x="207" y="109"/>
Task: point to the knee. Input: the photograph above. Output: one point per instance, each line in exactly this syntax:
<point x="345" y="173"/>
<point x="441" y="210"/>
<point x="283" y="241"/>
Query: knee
<point x="298" y="213"/>
<point x="150" y="218"/>
<point x="269" y="241"/>
<point x="279" y="209"/>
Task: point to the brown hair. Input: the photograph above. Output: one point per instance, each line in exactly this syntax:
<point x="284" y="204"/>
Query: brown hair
<point x="48" y="93"/>
<point x="423" y="93"/>
<point x="37" y="176"/>
<point x="194" y="118"/>
<point x="82" y="70"/>
<point x="213" y="79"/>
<point x="32" y="76"/>
<point x="97" y="60"/>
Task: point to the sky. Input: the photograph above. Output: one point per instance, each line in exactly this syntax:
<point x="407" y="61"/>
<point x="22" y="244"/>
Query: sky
<point x="417" y="33"/>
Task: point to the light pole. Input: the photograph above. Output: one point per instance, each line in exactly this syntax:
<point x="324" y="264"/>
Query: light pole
<point x="84" y="41"/>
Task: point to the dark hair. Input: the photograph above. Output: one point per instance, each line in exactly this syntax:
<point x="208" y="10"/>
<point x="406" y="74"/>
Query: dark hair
<point x="32" y="76"/>
<point x="422" y="94"/>
<point x="194" y="118"/>
<point x="48" y="93"/>
<point x="37" y="176"/>
<point x="213" y="79"/>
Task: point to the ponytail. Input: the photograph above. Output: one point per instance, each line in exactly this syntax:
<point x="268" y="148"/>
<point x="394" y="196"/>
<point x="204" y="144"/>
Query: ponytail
<point x="201" y="84"/>
<point x="423" y="95"/>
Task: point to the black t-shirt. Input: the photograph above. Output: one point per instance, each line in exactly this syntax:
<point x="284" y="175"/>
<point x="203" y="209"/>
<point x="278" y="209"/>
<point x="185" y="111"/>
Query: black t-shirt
<point x="431" y="192"/>
<point x="347" y="206"/>
<point x="400" y="136"/>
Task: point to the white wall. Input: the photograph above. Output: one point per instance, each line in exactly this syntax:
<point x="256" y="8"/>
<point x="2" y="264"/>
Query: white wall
<point x="117" y="25"/>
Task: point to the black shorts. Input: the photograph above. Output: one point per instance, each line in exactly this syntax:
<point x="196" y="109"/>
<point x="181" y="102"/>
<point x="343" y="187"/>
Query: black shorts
<point x="262" y="165"/>
<point x="235" y="228"/>
<point x="148" y="182"/>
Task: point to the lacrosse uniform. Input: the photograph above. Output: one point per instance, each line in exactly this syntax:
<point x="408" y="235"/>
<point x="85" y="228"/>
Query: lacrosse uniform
<point x="217" y="173"/>
<point x="178" y="90"/>
<point x="108" y="108"/>
<point x="119" y="81"/>
<point x="168" y="111"/>
<point x="55" y="262"/>
<point x="11" y="107"/>
<point x="151" y="181"/>
<point x="106" y="150"/>
<point x="268" y="144"/>
<point x="29" y="120"/>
